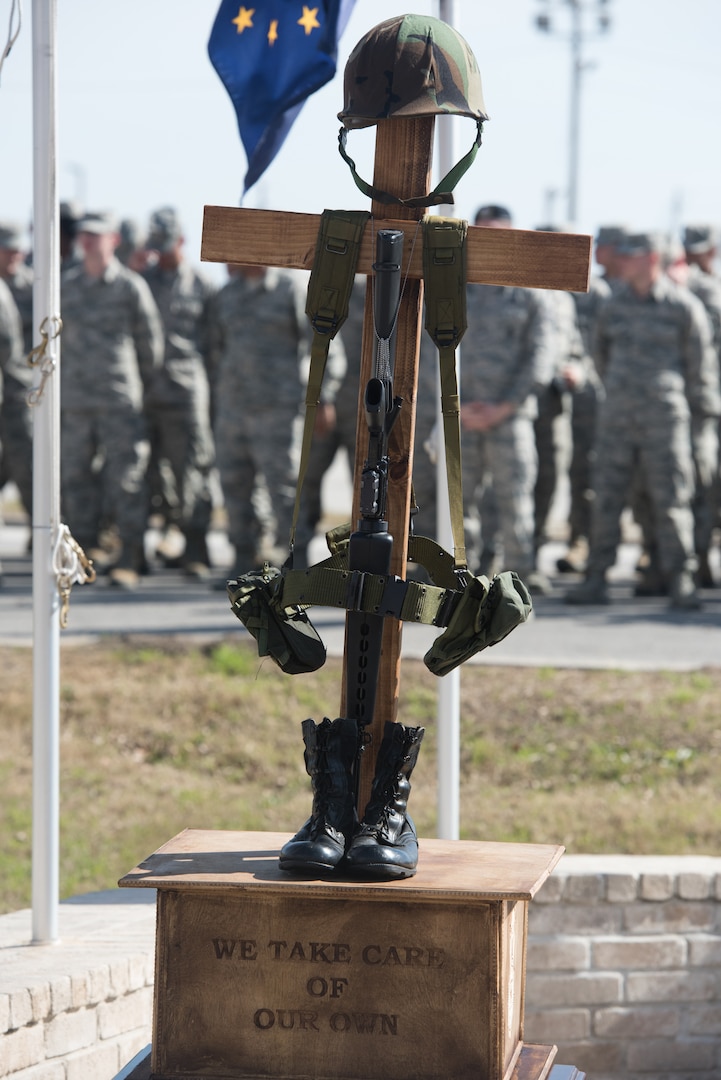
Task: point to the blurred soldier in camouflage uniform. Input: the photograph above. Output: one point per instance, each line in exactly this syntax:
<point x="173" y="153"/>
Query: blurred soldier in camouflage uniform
<point x="132" y="250"/>
<point x="177" y="405"/>
<point x="700" y="244"/>
<point x="16" y="434"/>
<point x="71" y="213"/>
<point x="653" y="347"/>
<point x="705" y="449"/>
<point x="586" y="395"/>
<point x="11" y="343"/>
<point x="507" y="359"/>
<point x="552" y="425"/>
<point x="112" y="345"/>
<point x="261" y="353"/>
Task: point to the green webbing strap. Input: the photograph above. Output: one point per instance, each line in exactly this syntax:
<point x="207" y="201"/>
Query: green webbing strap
<point x="442" y="193"/>
<point x="423" y="550"/>
<point x="332" y="584"/>
<point x="329" y="289"/>
<point x="444" y="276"/>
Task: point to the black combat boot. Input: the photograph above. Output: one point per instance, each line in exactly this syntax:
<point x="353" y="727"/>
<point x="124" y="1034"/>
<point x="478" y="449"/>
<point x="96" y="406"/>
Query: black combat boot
<point x="385" y="844"/>
<point x="330" y="753"/>
<point x="196" y="559"/>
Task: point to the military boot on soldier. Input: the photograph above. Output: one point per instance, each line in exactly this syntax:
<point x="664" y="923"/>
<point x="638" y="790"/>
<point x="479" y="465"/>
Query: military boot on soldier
<point x="593" y="590"/>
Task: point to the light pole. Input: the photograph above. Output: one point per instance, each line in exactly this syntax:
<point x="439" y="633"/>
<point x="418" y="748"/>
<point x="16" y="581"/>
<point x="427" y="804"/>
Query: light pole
<point x="588" y="18"/>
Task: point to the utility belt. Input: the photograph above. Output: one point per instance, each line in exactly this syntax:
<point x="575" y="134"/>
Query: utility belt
<point x="475" y="612"/>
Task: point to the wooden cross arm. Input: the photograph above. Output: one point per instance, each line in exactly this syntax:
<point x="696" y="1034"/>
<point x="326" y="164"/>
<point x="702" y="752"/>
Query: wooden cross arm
<point x="536" y="260"/>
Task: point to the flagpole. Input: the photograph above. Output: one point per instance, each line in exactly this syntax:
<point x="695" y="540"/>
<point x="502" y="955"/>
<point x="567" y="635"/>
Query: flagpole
<point x="46" y="486"/>
<point x="449" y="693"/>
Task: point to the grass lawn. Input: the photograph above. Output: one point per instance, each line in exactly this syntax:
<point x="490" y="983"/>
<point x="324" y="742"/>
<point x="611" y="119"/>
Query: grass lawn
<point x="157" y="737"/>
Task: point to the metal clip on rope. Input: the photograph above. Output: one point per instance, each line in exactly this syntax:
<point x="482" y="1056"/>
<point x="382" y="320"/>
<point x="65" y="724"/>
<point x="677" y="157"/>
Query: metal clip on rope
<point x="43" y="357"/>
<point x="70" y="566"/>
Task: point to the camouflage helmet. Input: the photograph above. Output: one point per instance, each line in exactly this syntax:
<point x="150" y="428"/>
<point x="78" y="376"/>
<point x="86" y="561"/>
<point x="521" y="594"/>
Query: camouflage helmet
<point x="427" y="68"/>
<point x="411" y="66"/>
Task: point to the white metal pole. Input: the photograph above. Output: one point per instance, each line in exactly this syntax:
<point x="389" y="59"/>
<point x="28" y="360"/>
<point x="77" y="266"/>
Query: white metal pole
<point x="46" y="487"/>
<point x="574" y="122"/>
<point x="449" y="692"/>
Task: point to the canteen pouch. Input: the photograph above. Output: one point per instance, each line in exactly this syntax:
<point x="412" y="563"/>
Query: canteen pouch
<point x="485" y="614"/>
<point x="285" y="634"/>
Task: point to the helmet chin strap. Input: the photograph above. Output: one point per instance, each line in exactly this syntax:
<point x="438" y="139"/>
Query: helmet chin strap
<point x="442" y="193"/>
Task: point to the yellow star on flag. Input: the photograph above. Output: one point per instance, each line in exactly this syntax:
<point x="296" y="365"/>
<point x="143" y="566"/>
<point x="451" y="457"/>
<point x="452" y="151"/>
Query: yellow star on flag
<point x="273" y="32"/>
<point x="308" y="19"/>
<point x="244" y="19"/>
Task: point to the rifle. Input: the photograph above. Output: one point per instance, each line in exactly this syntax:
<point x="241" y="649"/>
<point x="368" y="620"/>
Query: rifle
<point x="371" y="544"/>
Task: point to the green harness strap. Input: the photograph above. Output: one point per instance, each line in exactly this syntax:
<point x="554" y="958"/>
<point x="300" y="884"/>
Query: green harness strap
<point x="329" y="289"/>
<point x="444" y="267"/>
<point x="444" y="276"/>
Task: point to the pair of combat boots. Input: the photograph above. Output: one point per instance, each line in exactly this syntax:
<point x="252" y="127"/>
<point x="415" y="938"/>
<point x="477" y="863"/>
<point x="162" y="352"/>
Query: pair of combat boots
<point x="384" y="844"/>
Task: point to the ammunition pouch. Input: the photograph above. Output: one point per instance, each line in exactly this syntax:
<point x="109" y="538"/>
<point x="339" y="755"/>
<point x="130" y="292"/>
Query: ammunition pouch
<point x="484" y="615"/>
<point x="286" y="634"/>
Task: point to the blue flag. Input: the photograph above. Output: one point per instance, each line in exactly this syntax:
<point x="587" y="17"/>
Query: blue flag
<point x="270" y="58"/>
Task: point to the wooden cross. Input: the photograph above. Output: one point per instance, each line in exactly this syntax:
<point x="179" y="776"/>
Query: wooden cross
<point x="538" y="260"/>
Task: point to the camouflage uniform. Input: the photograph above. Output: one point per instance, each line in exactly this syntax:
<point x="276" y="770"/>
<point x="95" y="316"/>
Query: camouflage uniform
<point x="551" y="427"/>
<point x="261" y="352"/>
<point x="659" y="371"/>
<point x="132" y="251"/>
<point x="177" y="405"/>
<point x="585" y="402"/>
<point x="10" y="341"/>
<point x="15" y="417"/>
<point x="585" y="399"/>
<point x="507" y="356"/>
<point x="112" y="345"/>
<point x="71" y="214"/>
<point x="708" y="289"/>
<point x="707" y="286"/>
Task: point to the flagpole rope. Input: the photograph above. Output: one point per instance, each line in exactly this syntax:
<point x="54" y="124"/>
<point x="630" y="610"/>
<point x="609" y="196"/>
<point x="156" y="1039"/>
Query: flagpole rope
<point x="12" y="35"/>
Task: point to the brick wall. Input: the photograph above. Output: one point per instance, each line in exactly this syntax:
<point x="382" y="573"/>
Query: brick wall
<point x="624" y="967"/>
<point x="82" y="1007"/>
<point x="80" y="1027"/>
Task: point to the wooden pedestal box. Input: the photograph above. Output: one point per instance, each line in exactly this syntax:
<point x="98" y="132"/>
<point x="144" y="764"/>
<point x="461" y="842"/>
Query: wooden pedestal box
<point x="262" y="975"/>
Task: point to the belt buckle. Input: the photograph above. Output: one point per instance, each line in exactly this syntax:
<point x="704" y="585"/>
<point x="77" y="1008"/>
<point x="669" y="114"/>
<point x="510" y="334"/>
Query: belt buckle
<point x="394" y="593"/>
<point x="446" y="607"/>
<point x="354" y="594"/>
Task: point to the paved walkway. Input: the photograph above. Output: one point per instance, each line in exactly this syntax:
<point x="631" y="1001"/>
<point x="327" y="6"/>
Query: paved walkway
<point x="629" y="633"/>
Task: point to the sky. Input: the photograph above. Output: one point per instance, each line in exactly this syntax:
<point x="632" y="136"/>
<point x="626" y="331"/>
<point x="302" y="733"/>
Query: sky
<point x="144" y="121"/>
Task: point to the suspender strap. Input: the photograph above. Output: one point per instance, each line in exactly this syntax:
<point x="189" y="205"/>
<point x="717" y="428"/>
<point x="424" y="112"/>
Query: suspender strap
<point x="329" y="289"/>
<point x="444" y="276"/>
